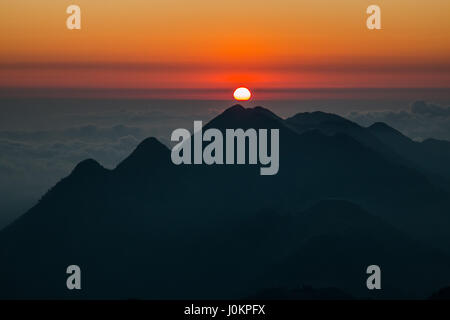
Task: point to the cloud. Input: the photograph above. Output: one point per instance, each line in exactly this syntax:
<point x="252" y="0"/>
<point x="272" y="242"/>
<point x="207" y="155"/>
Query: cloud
<point x="86" y="133"/>
<point x="423" y="120"/>
<point x="428" y="109"/>
<point x="63" y="151"/>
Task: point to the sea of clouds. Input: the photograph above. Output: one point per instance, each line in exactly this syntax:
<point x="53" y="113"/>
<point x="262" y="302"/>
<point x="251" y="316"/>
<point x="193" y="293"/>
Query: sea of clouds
<point x="422" y="121"/>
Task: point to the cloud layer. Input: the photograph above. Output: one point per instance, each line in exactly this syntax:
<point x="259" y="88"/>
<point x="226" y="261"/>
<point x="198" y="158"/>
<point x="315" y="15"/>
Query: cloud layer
<point x="423" y="120"/>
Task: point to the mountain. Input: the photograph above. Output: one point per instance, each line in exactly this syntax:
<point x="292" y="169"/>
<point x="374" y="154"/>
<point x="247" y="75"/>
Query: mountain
<point x="331" y="124"/>
<point x="431" y="156"/>
<point x="151" y="229"/>
<point x="336" y="240"/>
<point x="241" y="117"/>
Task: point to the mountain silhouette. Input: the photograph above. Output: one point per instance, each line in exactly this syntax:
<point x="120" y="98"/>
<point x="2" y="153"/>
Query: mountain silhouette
<point x="241" y="117"/>
<point x="339" y="238"/>
<point x="151" y="229"/>
<point x="331" y="124"/>
<point x="431" y="156"/>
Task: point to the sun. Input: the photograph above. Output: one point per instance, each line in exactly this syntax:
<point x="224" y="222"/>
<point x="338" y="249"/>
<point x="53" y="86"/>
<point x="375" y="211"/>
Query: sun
<point x="242" y="94"/>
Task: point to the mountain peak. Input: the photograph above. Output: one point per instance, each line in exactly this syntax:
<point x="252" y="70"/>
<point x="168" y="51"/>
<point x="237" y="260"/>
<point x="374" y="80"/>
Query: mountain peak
<point x="316" y="117"/>
<point x="239" y="117"/>
<point x="383" y="128"/>
<point x="150" y="143"/>
<point x="327" y="123"/>
<point x="148" y="152"/>
<point x="87" y="166"/>
<point x="235" y="108"/>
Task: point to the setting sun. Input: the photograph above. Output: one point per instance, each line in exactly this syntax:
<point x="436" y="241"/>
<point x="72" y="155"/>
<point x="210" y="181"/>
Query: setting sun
<point x="242" y="94"/>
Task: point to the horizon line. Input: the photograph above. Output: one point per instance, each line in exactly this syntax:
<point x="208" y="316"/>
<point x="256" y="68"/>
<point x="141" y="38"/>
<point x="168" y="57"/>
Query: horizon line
<point x="259" y="93"/>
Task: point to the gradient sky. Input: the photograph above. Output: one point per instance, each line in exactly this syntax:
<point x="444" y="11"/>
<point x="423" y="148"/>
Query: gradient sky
<point x="215" y="46"/>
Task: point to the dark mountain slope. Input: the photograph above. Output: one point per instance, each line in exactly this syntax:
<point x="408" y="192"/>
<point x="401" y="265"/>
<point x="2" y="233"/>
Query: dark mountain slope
<point x="431" y="156"/>
<point x="331" y="124"/>
<point x="333" y="242"/>
<point x="152" y="229"/>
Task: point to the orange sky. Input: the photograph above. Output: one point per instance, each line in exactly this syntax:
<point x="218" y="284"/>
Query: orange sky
<point x="151" y="44"/>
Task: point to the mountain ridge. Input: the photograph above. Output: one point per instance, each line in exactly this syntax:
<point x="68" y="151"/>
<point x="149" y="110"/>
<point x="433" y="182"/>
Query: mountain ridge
<point x="147" y="217"/>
